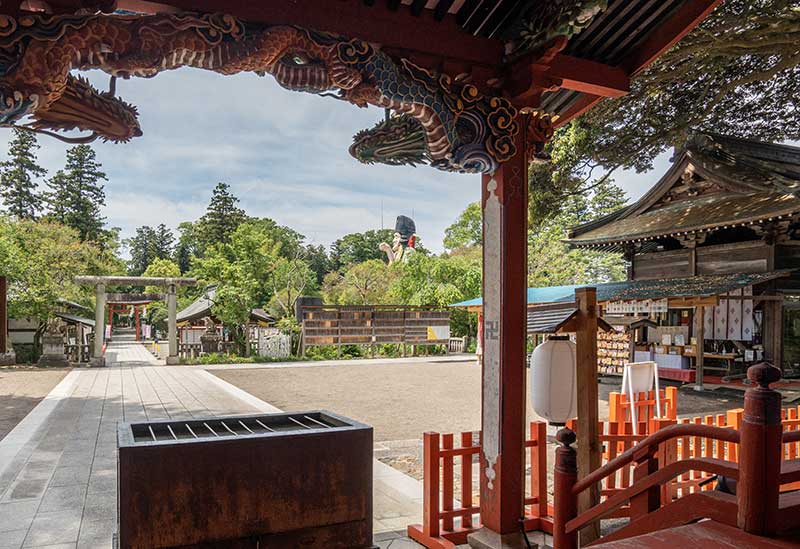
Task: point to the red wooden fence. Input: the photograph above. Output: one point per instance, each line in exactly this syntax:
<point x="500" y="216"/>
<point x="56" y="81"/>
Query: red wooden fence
<point x="446" y="520"/>
<point x="619" y="406"/>
<point x="451" y="471"/>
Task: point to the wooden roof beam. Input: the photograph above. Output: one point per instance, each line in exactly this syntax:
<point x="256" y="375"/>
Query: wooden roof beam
<point x="400" y="29"/>
<point x="551" y="70"/>
<point x="659" y="41"/>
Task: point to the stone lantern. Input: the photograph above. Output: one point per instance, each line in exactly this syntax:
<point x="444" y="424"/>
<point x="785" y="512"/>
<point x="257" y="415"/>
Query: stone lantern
<point x="53" y="355"/>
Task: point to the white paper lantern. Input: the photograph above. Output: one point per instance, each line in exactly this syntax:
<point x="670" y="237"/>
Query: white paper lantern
<point x="553" y="379"/>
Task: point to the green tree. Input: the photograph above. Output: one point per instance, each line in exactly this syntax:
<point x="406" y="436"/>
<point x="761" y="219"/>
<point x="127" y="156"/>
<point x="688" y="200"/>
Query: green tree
<point x="157" y="314"/>
<point x="552" y="263"/>
<point x="41" y="260"/>
<point x="142" y="249"/>
<point x="291" y="278"/>
<point x="364" y="283"/>
<point x="467" y="230"/>
<point x="58" y="197"/>
<point x="147" y="245"/>
<point x="18" y="187"/>
<point x="222" y="217"/>
<point x="242" y="270"/>
<point x="318" y="260"/>
<point x="736" y="73"/>
<point x="164" y="242"/>
<point x="188" y="246"/>
<point x="439" y="282"/>
<point x="359" y="247"/>
<point x="78" y="195"/>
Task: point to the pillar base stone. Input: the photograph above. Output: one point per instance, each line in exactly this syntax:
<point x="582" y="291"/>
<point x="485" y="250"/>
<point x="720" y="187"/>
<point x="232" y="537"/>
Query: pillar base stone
<point x="488" y="539"/>
<point x="97" y="362"/>
<point x="8" y="359"/>
<point x="173" y="360"/>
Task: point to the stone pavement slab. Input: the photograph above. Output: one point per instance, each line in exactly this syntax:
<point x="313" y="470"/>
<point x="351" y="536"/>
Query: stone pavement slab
<point x="58" y="466"/>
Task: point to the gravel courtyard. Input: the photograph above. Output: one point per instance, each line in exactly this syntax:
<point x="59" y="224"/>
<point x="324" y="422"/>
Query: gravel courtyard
<point x="402" y="400"/>
<point x="20" y="391"/>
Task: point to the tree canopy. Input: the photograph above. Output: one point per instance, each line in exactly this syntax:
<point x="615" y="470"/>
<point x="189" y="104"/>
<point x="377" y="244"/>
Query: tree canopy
<point x="18" y="174"/>
<point x="736" y="73"/>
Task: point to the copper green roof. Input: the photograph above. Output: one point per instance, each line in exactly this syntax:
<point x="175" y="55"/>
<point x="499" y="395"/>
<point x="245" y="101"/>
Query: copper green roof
<point x="747" y="182"/>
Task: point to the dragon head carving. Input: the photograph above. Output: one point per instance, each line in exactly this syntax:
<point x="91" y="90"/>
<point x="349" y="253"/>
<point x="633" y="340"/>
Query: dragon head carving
<point x="398" y="140"/>
<point x="83" y="107"/>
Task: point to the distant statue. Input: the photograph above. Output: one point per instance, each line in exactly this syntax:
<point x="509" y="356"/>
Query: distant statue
<point x="54" y="326"/>
<point x="404" y="240"/>
<point x="211" y="327"/>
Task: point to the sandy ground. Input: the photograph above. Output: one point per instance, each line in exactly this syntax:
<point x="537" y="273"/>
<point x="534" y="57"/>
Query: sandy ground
<point x="402" y="401"/>
<point x="20" y="391"/>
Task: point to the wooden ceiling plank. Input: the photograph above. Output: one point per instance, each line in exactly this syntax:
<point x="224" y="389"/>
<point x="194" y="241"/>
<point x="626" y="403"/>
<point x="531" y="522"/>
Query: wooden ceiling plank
<point x="689" y="15"/>
<point x="442" y="8"/>
<point x="417" y="6"/>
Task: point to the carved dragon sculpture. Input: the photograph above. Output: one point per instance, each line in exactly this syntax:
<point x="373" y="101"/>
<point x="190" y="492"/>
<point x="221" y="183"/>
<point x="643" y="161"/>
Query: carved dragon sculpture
<point x="448" y="124"/>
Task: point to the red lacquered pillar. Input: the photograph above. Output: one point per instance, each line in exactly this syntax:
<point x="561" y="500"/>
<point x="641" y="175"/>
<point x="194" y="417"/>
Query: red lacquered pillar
<point x="505" y="259"/>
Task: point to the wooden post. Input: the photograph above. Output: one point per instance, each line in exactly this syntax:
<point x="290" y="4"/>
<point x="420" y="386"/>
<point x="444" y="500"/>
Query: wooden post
<point x="565" y="504"/>
<point x="505" y="260"/>
<point x="172" y="327"/>
<point x="99" y="325"/>
<point x="539" y="468"/>
<point x="589" y="454"/>
<point x="699" y="334"/>
<point x="138" y="324"/>
<point x="338" y="333"/>
<point x="3" y="316"/>
<point x="430" y="495"/>
<point x="650" y="500"/>
<point x="760" y="449"/>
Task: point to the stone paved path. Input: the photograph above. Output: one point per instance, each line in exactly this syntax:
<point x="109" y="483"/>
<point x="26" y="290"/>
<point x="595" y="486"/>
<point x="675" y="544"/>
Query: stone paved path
<point x="58" y="467"/>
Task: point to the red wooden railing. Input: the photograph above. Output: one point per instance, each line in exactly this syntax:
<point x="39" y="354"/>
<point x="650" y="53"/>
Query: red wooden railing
<point x="758" y="508"/>
<point x="446" y="521"/>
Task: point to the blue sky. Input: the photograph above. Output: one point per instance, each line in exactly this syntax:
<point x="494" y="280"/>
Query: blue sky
<point x="283" y="153"/>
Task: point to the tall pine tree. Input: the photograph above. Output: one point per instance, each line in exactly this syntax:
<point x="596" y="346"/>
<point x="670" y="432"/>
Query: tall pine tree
<point x="164" y="242"/>
<point x="222" y="217"/>
<point x="58" y="197"/>
<point x="18" y="187"/>
<point x="85" y="193"/>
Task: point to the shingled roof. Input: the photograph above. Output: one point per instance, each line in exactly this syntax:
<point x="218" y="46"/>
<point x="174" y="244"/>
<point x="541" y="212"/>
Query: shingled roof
<point x="714" y="182"/>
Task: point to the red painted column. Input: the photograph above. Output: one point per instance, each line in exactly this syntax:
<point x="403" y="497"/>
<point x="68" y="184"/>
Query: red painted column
<point x="505" y="259"/>
<point x="138" y="325"/>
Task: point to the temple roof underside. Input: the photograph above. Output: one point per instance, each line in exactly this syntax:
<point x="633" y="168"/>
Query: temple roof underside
<point x="715" y="182"/>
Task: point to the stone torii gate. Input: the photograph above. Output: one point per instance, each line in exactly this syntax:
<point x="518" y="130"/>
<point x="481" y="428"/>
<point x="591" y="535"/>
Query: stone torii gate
<point x="101" y="283"/>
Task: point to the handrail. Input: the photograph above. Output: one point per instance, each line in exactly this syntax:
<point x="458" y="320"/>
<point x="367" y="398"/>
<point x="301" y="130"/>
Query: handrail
<point x="665" y="474"/>
<point x="791" y="436"/>
<point x="673" y="431"/>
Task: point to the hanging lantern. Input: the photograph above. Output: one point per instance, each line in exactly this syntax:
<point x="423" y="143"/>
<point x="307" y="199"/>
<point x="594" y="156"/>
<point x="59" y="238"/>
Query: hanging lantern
<point x="554" y="388"/>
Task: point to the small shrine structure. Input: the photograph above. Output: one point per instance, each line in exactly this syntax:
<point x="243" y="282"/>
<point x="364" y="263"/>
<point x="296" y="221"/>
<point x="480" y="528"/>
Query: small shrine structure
<point x="727" y="209"/>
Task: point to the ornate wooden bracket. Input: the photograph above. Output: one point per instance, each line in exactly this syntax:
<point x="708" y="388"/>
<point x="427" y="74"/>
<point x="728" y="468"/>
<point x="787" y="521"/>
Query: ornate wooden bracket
<point x="538" y="131"/>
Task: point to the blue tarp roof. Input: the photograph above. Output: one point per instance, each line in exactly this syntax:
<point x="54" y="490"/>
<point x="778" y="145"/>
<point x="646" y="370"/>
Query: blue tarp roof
<point x="550" y="294"/>
<point x="692" y="286"/>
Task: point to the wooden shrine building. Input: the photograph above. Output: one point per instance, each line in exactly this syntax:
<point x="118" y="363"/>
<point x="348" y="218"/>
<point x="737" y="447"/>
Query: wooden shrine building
<point x="727" y="208"/>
